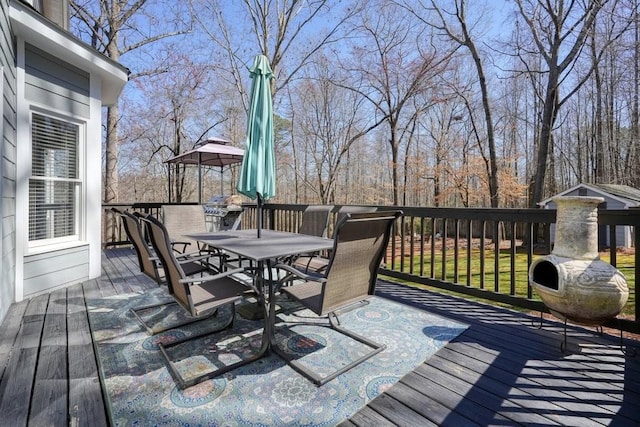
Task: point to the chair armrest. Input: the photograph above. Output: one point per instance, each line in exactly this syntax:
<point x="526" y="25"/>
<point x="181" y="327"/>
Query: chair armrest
<point x="193" y="256"/>
<point x="175" y="243"/>
<point x="214" y="277"/>
<point x="297" y="273"/>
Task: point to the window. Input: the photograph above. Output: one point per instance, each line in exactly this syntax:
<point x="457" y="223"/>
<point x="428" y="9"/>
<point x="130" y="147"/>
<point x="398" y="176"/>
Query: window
<point x="54" y="186"/>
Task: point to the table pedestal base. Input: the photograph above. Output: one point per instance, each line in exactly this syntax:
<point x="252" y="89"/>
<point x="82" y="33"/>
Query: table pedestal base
<point x="252" y="309"/>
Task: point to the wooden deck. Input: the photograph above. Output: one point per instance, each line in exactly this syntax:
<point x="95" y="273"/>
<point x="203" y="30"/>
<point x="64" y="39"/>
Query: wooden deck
<point x="500" y="371"/>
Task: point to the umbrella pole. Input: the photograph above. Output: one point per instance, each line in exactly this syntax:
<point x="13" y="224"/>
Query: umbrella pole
<point x="199" y="178"/>
<point x="259" y="216"/>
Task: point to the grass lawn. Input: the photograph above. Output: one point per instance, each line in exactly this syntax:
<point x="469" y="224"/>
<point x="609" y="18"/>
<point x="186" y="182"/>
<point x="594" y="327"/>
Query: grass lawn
<point x="486" y="280"/>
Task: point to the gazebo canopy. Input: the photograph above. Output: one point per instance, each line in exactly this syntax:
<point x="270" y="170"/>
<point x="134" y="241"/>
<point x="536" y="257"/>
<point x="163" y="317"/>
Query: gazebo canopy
<point x="211" y="152"/>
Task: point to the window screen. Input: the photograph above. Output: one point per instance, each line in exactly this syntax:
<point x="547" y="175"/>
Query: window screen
<point x="54" y="185"/>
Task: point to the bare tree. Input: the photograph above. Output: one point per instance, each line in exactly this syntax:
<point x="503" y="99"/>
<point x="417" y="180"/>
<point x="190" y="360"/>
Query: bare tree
<point x="116" y="27"/>
<point x="330" y="120"/>
<point x="559" y="30"/>
<point x="396" y="61"/>
<point x="172" y="115"/>
<point x="461" y="35"/>
<point x="288" y="32"/>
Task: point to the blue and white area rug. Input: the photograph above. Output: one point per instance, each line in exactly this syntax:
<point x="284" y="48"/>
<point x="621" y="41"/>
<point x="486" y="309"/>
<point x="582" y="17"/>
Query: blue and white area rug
<point x="267" y="392"/>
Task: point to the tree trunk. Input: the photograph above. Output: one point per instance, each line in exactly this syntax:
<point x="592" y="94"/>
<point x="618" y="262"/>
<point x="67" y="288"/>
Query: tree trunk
<point x="111" y="156"/>
<point x="112" y="138"/>
<point x="546" y="129"/>
<point x="494" y="190"/>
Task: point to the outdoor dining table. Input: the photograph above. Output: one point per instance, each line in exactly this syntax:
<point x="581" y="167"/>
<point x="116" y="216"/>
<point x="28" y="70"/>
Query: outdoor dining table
<point x="271" y="247"/>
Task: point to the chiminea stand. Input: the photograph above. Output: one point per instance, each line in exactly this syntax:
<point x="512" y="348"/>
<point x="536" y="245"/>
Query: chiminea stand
<point x="626" y="350"/>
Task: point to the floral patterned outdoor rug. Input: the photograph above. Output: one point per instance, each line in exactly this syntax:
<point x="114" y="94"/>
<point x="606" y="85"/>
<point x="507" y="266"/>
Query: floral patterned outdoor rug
<point x="267" y="392"/>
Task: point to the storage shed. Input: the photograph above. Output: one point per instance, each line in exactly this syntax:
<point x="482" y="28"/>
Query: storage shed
<point x="615" y="197"/>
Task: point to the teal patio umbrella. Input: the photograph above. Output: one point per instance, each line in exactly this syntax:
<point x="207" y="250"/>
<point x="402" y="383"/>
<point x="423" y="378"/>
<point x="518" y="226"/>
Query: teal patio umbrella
<point x="258" y="174"/>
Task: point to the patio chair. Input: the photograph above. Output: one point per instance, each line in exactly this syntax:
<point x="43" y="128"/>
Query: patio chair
<point x="147" y="261"/>
<point x="317" y="262"/>
<point x="359" y="245"/>
<point x="150" y="265"/>
<point x="315" y="220"/>
<point x="180" y="220"/>
<point x="184" y="219"/>
<point x="198" y="296"/>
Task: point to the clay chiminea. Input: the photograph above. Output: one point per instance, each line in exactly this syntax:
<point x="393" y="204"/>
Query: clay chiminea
<point x="573" y="282"/>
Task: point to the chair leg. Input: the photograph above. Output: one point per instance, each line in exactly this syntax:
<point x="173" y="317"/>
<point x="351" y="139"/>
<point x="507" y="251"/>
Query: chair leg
<point x="153" y="330"/>
<point x="320" y="380"/>
<point x="184" y="383"/>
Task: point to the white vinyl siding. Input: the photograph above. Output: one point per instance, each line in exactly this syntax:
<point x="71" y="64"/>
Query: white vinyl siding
<point x="55" y="185"/>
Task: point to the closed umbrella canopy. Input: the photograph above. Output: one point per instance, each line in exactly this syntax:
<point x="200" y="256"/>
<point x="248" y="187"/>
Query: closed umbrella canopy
<point x="258" y="174"/>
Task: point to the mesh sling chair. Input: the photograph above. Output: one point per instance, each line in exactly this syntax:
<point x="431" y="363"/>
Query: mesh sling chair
<point x="180" y="220"/>
<point x="198" y="296"/>
<point x="150" y="265"/>
<point x="315" y="220"/>
<point x="184" y="219"/>
<point x="317" y="263"/>
<point x="359" y="245"/>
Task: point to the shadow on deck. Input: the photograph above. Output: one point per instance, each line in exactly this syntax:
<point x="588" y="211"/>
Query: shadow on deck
<point x="500" y="371"/>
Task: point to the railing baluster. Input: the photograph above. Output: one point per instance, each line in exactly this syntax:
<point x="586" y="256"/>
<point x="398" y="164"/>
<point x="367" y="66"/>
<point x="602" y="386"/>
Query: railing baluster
<point x="456" y="251"/>
<point x="433" y="247"/>
<point x="469" y="249"/>
<point x="402" y="242"/>
<point x="412" y="245"/>
<point x="422" y="246"/>
<point x="529" y="237"/>
<point x="483" y="224"/>
<point x="444" y="249"/>
<point x="512" y="256"/>
<point x="613" y="245"/>
<point x="496" y="256"/>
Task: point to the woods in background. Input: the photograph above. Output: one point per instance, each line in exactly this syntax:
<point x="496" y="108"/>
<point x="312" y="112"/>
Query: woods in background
<point x="406" y="102"/>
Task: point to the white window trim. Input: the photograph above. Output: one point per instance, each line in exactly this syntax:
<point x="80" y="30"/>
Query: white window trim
<point x="46" y="245"/>
<point x="2" y="212"/>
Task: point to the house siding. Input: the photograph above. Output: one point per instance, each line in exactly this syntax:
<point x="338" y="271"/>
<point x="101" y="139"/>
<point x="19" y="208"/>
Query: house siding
<point x="8" y="163"/>
<point x="48" y="270"/>
<point x="46" y="69"/>
<point x="56" y="84"/>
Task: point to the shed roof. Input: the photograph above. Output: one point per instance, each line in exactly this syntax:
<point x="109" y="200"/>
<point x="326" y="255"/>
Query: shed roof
<point x="623" y="191"/>
<point x="628" y="195"/>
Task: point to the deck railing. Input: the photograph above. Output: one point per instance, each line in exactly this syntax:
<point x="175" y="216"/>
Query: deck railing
<point x="482" y="253"/>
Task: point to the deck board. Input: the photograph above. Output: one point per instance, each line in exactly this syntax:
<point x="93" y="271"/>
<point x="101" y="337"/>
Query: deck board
<point x="502" y="370"/>
<point x="17" y="382"/>
<point x="9" y="332"/>
<point x="86" y="404"/>
<point x="428" y="408"/>
<point x="50" y="391"/>
<point x="428" y="389"/>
